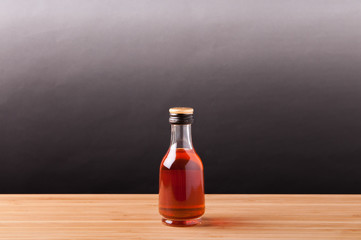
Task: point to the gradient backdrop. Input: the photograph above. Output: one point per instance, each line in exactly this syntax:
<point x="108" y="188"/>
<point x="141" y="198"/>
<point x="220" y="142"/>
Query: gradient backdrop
<point x="85" y="88"/>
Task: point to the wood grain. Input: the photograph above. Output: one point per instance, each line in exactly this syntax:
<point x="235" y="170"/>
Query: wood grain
<point x="136" y="217"/>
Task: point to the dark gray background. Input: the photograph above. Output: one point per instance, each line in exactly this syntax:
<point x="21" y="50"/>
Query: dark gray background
<point x="85" y="87"/>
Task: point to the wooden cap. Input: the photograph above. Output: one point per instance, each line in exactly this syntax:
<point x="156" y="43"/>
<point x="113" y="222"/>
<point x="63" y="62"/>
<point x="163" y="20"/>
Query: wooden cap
<point x="181" y="110"/>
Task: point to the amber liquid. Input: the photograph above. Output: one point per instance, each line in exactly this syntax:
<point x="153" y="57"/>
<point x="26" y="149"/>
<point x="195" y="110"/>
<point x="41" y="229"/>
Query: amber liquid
<point x="181" y="187"/>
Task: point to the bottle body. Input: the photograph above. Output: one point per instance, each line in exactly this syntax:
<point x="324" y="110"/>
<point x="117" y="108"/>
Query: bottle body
<point x="181" y="181"/>
<point x="181" y="185"/>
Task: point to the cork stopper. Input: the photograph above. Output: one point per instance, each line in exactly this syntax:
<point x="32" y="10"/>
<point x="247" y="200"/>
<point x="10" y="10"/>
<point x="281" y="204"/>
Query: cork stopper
<point x="181" y="110"/>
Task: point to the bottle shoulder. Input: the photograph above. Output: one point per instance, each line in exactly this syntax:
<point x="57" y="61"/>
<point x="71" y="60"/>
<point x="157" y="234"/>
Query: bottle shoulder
<point x="180" y="158"/>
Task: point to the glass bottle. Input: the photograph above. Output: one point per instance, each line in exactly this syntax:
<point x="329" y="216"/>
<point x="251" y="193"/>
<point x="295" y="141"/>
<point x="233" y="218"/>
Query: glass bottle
<point x="181" y="187"/>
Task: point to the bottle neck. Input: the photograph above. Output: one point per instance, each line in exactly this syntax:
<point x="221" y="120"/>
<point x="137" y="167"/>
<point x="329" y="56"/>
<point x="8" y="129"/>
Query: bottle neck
<point x="181" y="136"/>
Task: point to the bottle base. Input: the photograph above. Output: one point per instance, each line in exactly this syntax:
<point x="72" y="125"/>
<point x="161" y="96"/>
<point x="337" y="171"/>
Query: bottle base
<point x="181" y="222"/>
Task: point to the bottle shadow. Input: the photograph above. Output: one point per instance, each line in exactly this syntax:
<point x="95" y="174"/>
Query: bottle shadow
<point x="222" y="222"/>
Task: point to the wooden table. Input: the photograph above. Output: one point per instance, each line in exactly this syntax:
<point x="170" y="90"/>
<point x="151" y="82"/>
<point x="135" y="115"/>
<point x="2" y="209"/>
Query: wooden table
<point x="136" y="217"/>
